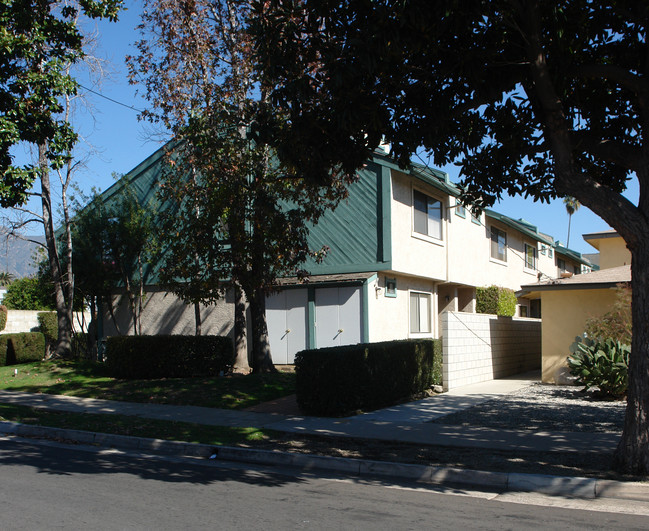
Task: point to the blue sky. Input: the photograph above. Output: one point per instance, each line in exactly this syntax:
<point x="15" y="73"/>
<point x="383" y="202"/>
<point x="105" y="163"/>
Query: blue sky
<point x="123" y="141"/>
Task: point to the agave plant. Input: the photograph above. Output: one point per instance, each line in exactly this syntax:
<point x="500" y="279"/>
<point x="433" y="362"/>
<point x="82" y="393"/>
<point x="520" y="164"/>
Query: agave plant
<point x="603" y="364"/>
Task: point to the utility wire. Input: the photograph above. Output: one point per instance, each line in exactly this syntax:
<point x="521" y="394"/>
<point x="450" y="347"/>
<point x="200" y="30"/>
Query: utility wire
<point x="110" y="99"/>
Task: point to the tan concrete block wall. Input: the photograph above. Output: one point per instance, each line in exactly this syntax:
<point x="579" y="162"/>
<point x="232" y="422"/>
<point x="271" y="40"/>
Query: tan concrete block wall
<point x="479" y="347"/>
<point x="27" y="321"/>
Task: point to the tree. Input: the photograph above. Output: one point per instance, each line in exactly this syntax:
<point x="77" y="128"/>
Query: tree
<point x="39" y="41"/>
<point x="237" y="214"/>
<point x="572" y="205"/>
<point x="543" y="99"/>
<point x="29" y="293"/>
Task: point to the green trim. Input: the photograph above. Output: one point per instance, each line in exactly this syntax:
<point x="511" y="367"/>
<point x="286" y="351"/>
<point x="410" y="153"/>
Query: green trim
<point x="387" y="282"/>
<point x="365" y="303"/>
<point x="350" y="268"/>
<point x="311" y="317"/>
<point x="460" y="209"/>
<point x="385" y="214"/>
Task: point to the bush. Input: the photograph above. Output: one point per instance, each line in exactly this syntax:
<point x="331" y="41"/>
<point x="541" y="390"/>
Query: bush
<point x="496" y="301"/>
<point x="28" y="346"/>
<point x="617" y="323"/>
<point x="168" y="356"/>
<point x="337" y="381"/>
<point x="29" y="293"/>
<point x="3" y="317"/>
<point x="600" y="363"/>
<point x="48" y="324"/>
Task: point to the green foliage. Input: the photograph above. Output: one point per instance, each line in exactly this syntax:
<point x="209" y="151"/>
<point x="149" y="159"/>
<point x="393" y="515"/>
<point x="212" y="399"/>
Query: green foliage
<point x="617" y="323"/>
<point x="168" y="356"/>
<point x="3" y="317"/>
<point x="27" y="347"/>
<point x="37" y="42"/>
<point x="48" y="324"/>
<point x="340" y="380"/>
<point x="600" y="363"/>
<point x="29" y="293"/>
<point x="495" y="300"/>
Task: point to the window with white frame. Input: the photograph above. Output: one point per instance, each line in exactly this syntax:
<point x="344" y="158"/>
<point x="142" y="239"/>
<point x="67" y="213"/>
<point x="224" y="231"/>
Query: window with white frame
<point x="419" y="313"/>
<point x="427" y="217"/>
<point x="530" y="256"/>
<point x="498" y="244"/>
<point x="460" y="209"/>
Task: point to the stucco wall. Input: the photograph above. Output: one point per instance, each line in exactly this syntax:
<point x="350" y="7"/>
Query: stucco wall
<point x="164" y="313"/>
<point x="613" y="253"/>
<point x="389" y="316"/>
<point x="479" y="347"/>
<point x="564" y="316"/>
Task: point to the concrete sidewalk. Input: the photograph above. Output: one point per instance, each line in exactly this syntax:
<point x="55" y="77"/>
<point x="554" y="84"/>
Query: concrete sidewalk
<point x="405" y="423"/>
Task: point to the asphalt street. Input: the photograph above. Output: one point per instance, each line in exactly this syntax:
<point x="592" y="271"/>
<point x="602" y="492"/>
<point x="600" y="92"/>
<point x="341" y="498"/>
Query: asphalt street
<point x="54" y="486"/>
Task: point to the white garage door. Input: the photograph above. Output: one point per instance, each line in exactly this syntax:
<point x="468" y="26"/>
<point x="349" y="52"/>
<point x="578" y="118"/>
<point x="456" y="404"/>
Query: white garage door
<point x="338" y="316"/>
<point x="287" y="324"/>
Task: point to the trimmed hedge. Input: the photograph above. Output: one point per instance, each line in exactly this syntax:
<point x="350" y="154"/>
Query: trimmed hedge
<point x="495" y="300"/>
<point x="28" y="346"/>
<point x="150" y="357"/>
<point x="337" y="381"/>
<point x="3" y="317"/>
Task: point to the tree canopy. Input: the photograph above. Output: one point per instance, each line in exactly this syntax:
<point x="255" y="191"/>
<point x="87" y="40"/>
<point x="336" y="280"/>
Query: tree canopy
<point x="545" y="99"/>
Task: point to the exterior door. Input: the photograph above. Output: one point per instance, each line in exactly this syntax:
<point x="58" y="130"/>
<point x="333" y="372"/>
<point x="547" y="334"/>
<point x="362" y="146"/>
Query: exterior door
<point x="338" y="316"/>
<point x="287" y="324"/>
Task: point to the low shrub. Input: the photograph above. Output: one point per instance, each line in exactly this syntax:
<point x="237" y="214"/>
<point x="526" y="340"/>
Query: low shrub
<point x="27" y="346"/>
<point x="495" y="300"/>
<point x="600" y="363"/>
<point x="3" y="317"/>
<point x="48" y="325"/>
<point x="151" y="357"/>
<point x="337" y="381"/>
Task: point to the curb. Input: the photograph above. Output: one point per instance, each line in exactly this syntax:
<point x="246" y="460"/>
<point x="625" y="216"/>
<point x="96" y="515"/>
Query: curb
<point x="574" y="487"/>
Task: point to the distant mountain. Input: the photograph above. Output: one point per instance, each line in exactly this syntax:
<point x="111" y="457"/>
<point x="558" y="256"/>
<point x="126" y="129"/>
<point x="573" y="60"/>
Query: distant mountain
<point x="17" y="256"/>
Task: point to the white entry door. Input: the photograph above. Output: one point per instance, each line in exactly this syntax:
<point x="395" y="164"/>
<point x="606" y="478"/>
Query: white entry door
<point x="287" y="324"/>
<point x="338" y="316"/>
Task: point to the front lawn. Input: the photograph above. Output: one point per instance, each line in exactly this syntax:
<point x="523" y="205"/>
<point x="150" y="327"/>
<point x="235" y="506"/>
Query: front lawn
<point x="92" y="381"/>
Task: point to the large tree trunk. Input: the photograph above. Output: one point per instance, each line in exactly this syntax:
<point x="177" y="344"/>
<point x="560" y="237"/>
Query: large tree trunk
<point x="261" y="358"/>
<point x="197" y="318"/>
<point x="240" y="333"/>
<point x="632" y="454"/>
<point x="63" y="307"/>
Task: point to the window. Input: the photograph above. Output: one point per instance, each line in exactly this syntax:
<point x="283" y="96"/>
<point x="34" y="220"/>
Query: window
<point x="475" y="218"/>
<point x="419" y="313"/>
<point x="550" y="252"/>
<point x="428" y="215"/>
<point x="577" y="270"/>
<point x="460" y="210"/>
<point x="530" y="256"/>
<point x="523" y="311"/>
<point x="543" y="250"/>
<point x="561" y="264"/>
<point x="498" y="244"/>
<point x="390" y="287"/>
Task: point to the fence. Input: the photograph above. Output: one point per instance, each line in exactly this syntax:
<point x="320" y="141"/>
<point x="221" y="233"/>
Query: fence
<point x="479" y="347"/>
<point x="27" y="321"/>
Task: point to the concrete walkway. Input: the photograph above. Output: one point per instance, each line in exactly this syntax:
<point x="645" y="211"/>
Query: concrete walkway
<point x="406" y="423"/>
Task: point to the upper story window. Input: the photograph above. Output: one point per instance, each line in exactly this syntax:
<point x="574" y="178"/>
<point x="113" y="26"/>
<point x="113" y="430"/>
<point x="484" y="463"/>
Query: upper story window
<point x="577" y="269"/>
<point x="561" y="264"/>
<point x="427" y="215"/>
<point x="498" y="244"/>
<point x="460" y="209"/>
<point x="530" y="256"/>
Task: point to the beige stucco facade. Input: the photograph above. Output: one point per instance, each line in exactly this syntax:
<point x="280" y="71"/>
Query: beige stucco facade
<point x="565" y="313"/>
<point x="612" y="249"/>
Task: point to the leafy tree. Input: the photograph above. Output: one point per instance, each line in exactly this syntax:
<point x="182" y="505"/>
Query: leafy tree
<point x="545" y="99"/>
<point x="572" y="205"/>
<point x="113" y="240"/>
<point x="29" y="293"/>
<point x="39" y="41"/>
<point x="236" y="214"/>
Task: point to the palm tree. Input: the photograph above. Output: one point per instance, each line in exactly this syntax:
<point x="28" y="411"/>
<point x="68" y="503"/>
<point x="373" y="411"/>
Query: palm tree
<point x="572" y="205"/>
<point x="6" y="278"/>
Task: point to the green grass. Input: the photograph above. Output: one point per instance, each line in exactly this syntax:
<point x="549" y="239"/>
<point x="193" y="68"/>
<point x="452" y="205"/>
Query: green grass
<point x="91" y="380"/>
<point x="136" y="427"/>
